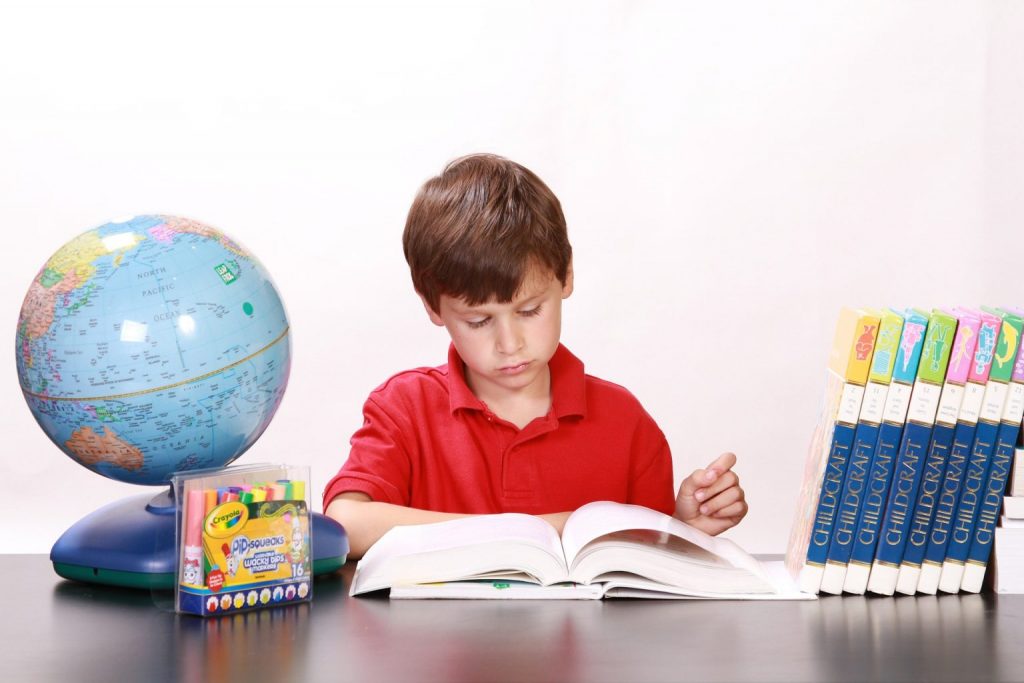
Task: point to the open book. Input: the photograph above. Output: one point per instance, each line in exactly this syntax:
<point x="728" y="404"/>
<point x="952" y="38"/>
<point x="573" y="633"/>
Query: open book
<point x="606" y="550"/>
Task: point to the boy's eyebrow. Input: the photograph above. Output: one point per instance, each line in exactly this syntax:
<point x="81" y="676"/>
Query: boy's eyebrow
<point x="464" y="309"/>
<point x="529" y="299"/>
<point x="478" y="308"/>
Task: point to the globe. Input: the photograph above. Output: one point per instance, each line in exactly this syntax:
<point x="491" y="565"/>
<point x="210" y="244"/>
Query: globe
<point x="152" y="346"/>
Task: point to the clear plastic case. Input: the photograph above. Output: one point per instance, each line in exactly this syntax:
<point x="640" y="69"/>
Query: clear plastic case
<point x="244" y="539"/>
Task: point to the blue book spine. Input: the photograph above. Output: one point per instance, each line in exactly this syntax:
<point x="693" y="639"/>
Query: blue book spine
<point x="949" y="495"/>
<point x="831" y="488"/>
<point x="880" y="475"/>
<point x="928" y="493"/>
<point x="841" y="546"/>
<point x="929" y="397"/>
<point x="902" y="494"/>
<point x="971" y="493"/>
<point x="991" y="504"/>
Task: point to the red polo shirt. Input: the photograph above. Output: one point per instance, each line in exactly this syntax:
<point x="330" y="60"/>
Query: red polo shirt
<point x="427" y="442"/>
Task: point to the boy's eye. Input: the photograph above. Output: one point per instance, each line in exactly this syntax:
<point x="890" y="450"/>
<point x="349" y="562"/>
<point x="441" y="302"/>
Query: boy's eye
<point x="474" y="324"/>
<point x="530" y="312"/>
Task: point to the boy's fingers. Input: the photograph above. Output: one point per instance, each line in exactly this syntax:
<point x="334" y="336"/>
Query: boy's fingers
<point x="693" y="482"/>
<point x="716" y="503"/>
<point x="708" y="475"/>
<point x="734" y="510"/>
<point x="726" y="481"/>
<point x="687" y="503"/>
<point x="723" y="462"/>
<point x="706" y="484"/>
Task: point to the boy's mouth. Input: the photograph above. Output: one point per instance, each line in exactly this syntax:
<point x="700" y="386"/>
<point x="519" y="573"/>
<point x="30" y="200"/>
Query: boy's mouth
<point x="514" y="369"/>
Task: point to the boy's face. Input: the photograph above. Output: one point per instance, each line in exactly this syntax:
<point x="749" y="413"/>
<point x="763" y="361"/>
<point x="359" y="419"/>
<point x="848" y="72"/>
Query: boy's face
<point x="506" y="346"/>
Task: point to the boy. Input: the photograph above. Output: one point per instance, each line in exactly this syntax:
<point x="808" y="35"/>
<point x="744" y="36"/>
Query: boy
<point x="511" y="423"/>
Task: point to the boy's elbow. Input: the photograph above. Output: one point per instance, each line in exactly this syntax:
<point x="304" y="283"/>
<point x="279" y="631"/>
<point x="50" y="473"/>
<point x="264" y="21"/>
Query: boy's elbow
<point x="350" y="510"/>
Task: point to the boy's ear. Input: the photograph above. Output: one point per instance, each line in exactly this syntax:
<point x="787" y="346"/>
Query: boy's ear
<point x="431" y="313"/>
<point x="567" y="287"/>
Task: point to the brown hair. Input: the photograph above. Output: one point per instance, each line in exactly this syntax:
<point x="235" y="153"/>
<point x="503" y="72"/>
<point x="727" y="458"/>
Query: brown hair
<point x="474" y="230"/>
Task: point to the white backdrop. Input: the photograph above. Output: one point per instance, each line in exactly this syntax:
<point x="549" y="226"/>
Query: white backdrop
<point x="732" y="173"/>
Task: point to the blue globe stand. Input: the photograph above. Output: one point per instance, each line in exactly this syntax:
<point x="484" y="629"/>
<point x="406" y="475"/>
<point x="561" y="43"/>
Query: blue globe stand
<point x="168" y="349"/>
<point x="131" y="543"/>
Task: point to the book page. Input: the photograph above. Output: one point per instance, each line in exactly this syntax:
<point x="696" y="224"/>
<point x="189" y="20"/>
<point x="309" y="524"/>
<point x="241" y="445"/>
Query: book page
<point x="594" y="520"/>
<point x="473" y="547"/>
<point x="632" y="586"/>
<point x="496" y="590"/>
<point x="666" y="560"/>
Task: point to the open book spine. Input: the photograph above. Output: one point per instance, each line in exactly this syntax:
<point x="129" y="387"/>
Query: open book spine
<point x="963" y="440"/>
<point x="850" y="359"/>
<point x="880" y="470"/>
<point x="998" y="471"/>
<point x="938" y="452"/>
<point x="985" y="435"/>
<point x="883" y="360"/>
<point x="924" y="403"/>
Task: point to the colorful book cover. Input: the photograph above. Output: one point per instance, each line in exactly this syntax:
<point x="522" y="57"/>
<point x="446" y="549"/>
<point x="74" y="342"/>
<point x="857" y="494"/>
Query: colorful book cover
<point x="924" y="402"/>
<point x="894" y="415"/>
<point x="848" y="367"/>
<point x="963" y="439"/>
<point x="964" y="345"/>
<point x="985" y="435"/>
<point x="999" y="469"/>
<point x="883" y="360"/>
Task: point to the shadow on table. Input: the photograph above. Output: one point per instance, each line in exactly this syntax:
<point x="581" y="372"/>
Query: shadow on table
<point x="951" y="636"/>
<point x="99" y="631"/>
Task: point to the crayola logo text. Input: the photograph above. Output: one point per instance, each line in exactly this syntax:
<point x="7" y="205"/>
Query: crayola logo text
<point x="226" y="520"/>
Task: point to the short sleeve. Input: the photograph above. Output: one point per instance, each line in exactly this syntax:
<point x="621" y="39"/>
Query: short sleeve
<point x="378" y="463"/>
<point x="650" y="482"/>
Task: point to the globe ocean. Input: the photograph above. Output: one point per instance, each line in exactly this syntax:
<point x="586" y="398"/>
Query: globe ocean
<point x="152" y="346"/>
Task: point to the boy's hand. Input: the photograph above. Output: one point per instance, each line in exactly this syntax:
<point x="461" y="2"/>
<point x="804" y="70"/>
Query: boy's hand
<point x="557" y="520"/>
<point x="711" y="499"/>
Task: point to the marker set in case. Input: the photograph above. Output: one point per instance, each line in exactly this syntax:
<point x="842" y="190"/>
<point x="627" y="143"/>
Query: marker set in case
<point x="244" y="539"/>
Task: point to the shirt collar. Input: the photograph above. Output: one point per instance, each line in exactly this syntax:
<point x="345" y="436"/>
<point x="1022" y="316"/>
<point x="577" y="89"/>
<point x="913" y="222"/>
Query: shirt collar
<point x="459" y="393"/>
<point x="568" y="384"/>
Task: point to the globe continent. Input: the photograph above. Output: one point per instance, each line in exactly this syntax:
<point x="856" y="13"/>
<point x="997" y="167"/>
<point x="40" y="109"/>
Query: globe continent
<point x="152" y="346"/>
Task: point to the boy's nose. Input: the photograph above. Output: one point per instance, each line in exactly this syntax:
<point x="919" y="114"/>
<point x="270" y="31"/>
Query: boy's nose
<point x="509" y="338"/>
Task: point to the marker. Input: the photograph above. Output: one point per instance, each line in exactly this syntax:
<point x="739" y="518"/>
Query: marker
<point x="192" y="570"/>
<point x="226" y="549"/>
<point x="210" y="502"/>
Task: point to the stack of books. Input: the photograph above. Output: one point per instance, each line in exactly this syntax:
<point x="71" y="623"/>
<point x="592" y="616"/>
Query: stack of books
<point x="1008" y="552"/>
<point x="908" y="468"/>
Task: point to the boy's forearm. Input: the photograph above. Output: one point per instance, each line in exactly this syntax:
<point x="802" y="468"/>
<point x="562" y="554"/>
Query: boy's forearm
<point x="366" y="521"/>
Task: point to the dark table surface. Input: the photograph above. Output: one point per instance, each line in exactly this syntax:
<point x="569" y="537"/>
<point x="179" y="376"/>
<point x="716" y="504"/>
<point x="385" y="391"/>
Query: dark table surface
<point x="55" y="630"/>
